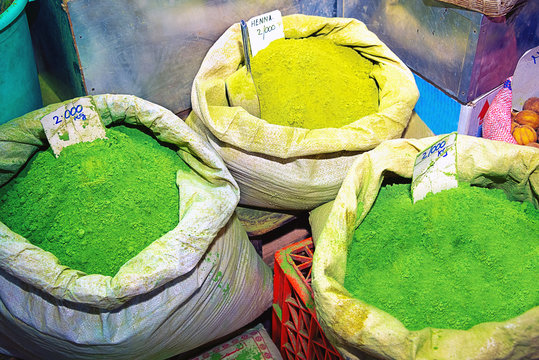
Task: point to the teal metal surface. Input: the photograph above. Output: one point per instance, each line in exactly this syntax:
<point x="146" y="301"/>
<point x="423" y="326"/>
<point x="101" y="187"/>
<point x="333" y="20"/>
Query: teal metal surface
<point x="56" y="47"/>
<point x="11" y="13"/>
<point x="19" y="85"/>
<point x="462" y="52"/>
<point x="153" y="49"/>
<point x="433" y="39"/>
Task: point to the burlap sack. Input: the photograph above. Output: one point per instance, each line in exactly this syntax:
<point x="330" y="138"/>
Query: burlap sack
<point x="356" y="327"/>
<point x="288" y="168"/>
<point x="200" y="281"/>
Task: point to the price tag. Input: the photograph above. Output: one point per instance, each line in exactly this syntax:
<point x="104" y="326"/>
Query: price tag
<point x="525" y="77"/>
<point x="435" y="168"/>
<point x="263" y="29"/>
<point x="72" y="123"/>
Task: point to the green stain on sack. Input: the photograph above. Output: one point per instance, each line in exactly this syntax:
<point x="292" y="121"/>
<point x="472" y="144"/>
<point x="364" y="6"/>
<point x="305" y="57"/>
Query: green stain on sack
<point x="99" y="203"/>
<point x="218" y="276"/>
<point x="245" y="350"/>
<point x="249" y="354"/>
<point x="64" y="136"/>
<point x="349" y="320"/>
<point x="455" y="259"/>
<point x="313" y="83"/>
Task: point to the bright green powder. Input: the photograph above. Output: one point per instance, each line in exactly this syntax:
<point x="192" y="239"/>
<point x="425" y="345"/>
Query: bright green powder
<point x="452" y="260"/>
<point x="98" y="204"/>
<point x="313" y="83"/>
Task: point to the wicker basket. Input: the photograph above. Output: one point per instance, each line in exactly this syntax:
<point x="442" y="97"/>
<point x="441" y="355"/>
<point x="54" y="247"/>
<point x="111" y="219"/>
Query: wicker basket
<point x="487" y="7"/>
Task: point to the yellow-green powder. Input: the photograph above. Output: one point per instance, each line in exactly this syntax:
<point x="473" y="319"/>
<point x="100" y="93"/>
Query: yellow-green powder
<point x="313" y="83"/>
<point x="99" y="203"/>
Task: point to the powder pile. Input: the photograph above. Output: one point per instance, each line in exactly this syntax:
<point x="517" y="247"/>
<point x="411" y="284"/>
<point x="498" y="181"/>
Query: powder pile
<point x="99" y="203"/>
<point x="455" y="259"/>
<point x="313" y="83"/>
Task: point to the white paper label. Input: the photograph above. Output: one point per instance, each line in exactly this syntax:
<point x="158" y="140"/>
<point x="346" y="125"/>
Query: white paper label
<point x="72" y="123"/>
<point x="524" y="84"/>
<point x="263" y="29"/>
<point x="435" y="168"/>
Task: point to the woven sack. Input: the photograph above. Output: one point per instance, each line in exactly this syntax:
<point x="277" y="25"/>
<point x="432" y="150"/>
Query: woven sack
<point x="355" y="327"/>
<point x="198" y="282"/>
<point x="288" y="168"/>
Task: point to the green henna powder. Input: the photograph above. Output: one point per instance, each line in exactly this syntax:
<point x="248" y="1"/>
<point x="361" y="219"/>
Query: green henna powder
<point x="99" y="203"/>
<point x="452" y="260"/>
<point x="313" y="83"/>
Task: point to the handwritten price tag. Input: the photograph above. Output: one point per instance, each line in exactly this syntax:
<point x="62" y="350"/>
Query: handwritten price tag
<point x="263" y="29"/>
<point x="72" y="123"/>
<point x="525" y="77"/>
<point x="435" y="168"/>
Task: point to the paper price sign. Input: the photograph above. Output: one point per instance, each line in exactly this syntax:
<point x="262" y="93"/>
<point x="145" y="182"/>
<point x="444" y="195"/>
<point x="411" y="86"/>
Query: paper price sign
<point x="72" y="123"/>
<point x="263" y="29"/>
<point x="435" y="168"/>
<point x="524" y="82"/>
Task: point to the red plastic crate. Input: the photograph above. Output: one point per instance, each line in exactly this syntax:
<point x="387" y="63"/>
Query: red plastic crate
<point x="295" y="329"/>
